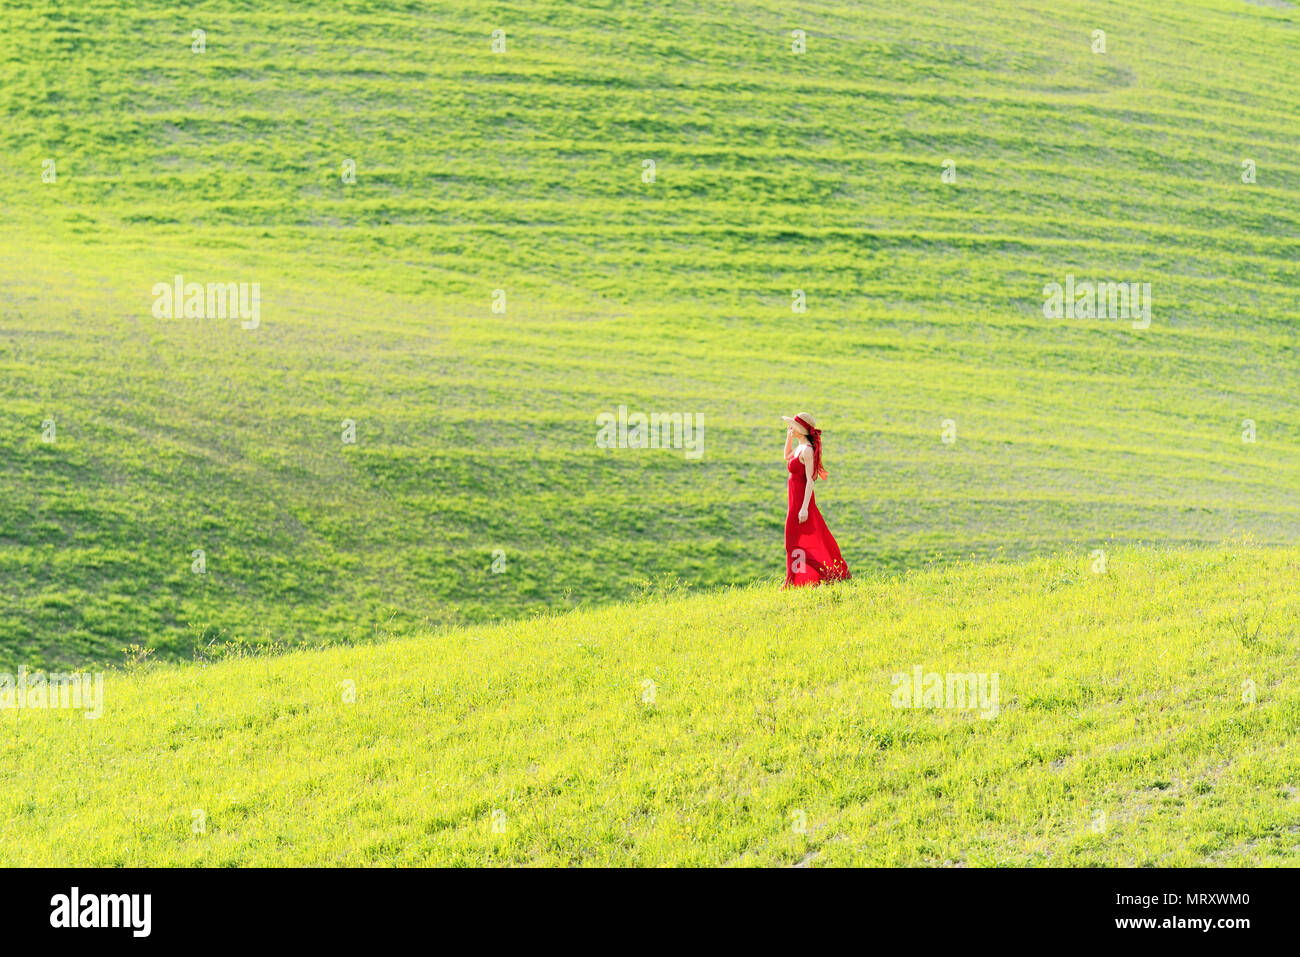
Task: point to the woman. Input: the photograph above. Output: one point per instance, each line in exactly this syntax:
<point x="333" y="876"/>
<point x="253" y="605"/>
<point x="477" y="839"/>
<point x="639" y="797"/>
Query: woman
<point x="811" y="555"/>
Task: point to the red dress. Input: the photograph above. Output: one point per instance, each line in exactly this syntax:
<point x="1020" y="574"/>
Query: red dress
<point x="811" y="554"/>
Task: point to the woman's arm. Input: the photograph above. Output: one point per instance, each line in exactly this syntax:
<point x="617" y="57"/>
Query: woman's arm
<point x="807" y="458"/>
<point x="786" y="456"/>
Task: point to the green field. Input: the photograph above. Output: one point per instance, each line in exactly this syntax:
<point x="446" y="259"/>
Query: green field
<point x="522" y="171"/>
<point x="1123" y="733"/>
<point x="500" y="271"/>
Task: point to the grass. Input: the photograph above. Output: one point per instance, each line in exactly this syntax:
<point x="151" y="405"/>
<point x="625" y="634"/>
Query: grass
<point x="523" y="171"/>
<point x="1123" y="733"/>
<point x="472" y="636"/>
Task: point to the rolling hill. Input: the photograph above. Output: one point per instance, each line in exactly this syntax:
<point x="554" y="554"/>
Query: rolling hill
<point x="387" y="179"/>
<point x="1144" y="715"/>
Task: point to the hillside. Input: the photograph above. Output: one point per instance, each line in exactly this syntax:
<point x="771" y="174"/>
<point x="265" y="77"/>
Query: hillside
<point x="1145" y="715"/>
<point x="523" y="171"/>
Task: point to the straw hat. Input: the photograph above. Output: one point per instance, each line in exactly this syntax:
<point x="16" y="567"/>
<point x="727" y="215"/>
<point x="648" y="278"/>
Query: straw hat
<point x="806" y="416"/>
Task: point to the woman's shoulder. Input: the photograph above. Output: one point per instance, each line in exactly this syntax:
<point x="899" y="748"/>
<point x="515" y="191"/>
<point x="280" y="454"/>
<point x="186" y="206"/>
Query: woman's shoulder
<point x="805" y="453"/>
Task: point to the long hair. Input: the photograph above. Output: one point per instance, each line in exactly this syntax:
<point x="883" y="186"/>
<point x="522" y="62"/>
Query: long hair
<point x="815" y="440"/>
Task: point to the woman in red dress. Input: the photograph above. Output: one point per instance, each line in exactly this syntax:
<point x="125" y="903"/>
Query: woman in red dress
<point x="811" y="554"/>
